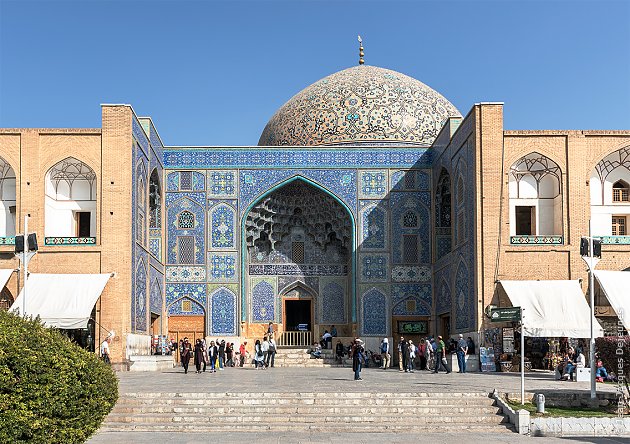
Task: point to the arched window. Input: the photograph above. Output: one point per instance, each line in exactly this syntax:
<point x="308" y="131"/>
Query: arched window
<point x="7" y="204"/>
<point x="443" y="200"/>
<point x="186" y="220"/>
<point x="620" y="191"/>
<point x="70" y="200"/>
<point x="535" y="195"/>
<point x="155" y="200"/>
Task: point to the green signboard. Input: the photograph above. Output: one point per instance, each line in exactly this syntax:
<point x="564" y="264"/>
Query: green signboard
<point x="413" y="327"/>
<point x="510" y="314"/>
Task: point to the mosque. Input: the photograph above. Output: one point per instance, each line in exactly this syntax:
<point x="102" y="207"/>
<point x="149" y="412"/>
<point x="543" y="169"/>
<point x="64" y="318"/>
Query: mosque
<point x="370" y="203"/>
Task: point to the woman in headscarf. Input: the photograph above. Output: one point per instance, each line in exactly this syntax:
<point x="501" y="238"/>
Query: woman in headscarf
<point x="259" y="355"/>
<point x="198" y="355"/>
<point x="185" y="354"/>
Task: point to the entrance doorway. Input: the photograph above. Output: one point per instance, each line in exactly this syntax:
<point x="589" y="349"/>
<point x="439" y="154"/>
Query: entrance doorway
<point x="297" y="315"/>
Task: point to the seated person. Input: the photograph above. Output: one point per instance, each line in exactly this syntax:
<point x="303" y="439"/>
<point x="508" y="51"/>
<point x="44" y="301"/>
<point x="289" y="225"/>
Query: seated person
<point x="316" y="350"/>
<point x="579" y="362"/>
<point x="326" y="339"/>
<point x="333" y="331"/>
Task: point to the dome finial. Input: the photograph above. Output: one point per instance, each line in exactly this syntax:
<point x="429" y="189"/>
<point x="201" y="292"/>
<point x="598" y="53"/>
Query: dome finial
<point x="361" y="61"/>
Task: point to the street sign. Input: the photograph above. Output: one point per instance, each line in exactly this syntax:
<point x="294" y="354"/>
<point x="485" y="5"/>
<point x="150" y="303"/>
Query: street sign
<point x="505" y="314"/>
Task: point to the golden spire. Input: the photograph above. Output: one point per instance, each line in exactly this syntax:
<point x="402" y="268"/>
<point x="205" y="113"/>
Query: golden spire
<point x="361" y="61"/>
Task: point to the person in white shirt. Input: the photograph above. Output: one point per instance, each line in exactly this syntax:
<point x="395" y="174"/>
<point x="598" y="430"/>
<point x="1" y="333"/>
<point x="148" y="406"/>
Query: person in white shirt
<point x="265" y="349"/>
<point x="326" y="339"/>
<point x="271" y="353"/>
<point x="105" y="350"/>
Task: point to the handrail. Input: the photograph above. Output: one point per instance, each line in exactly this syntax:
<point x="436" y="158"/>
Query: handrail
<point x="295" y="339"/>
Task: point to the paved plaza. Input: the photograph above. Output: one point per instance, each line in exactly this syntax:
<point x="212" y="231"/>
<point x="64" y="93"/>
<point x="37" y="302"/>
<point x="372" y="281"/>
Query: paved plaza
<point x="249" y="380"/>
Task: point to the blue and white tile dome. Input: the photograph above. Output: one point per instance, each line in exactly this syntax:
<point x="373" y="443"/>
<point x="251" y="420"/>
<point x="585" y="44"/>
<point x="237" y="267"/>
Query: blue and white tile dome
<point x="362" y="104"/>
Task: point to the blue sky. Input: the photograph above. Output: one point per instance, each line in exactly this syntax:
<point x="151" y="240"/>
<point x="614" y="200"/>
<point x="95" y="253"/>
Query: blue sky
<point x="214" y="72"/>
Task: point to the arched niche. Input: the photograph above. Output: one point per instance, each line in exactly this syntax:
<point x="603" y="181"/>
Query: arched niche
<point x="70" y="200"/>
<point x="8" y="202"/>
<point x="535" y="196"/>
<point x="609" y="190"/>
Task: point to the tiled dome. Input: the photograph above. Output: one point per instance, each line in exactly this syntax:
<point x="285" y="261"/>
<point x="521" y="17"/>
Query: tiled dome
<point x="363" y="104"/>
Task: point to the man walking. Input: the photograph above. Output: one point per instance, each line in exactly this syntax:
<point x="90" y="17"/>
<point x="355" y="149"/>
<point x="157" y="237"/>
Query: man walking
<point x="462" y="351"/>
<point x="440" y="356"/>
<point x="358" y="358"/>
<point x="105" y="350"/>
<point x="385" y="353"/>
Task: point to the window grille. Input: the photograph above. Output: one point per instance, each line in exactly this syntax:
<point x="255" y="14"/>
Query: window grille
<point x="410" y="305"/>
<point x="185" y="180"/>
<point x="298" y="252"/>
<point x="410" y="248"/>
<point x="186" y="249"/>
<point x="619" y="226"/>
<point x="186" y="306"/>
<point x="186" y="220"/>
<point x="410" y="180"/>
<point x="410" y="220"/>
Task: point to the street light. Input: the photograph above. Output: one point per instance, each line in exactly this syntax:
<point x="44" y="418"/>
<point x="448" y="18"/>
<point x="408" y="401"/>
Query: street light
<point x="591" y="252"/>
<point x="25" y="249"/>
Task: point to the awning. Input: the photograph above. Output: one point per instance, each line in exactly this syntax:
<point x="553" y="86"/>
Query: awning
<point x="61" y="300"/>
<point x="5" y="275"/>
<point x="616" y="286"/>
<point x="552" y="308"/>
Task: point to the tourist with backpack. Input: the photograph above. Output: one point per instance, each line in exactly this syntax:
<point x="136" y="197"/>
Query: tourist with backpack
<point x="385" y="353"/>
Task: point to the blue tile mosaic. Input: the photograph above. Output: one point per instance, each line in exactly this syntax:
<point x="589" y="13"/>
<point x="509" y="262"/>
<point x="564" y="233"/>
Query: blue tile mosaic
<point x="296" y="157"/>
<point x="172" y="181"/>
<point x="374" y="310"/>
<point x="403" y="273"/>
<point x="372" y="184"/>
<point x="141" y="297"/>
<point x="333" y="306"/>
<point x="222" y="184"/>
<point x="400" y="204"/>
<point x="222" y="267"/>
<point x="177" y="203"/>
<point x="223" y="312"/>
<point x="194" y="292"/>
<point x="464" y="303"/>
<point x="155" y="296"/>
<point x="177" y="308"/>
<point x="186" y="273"/>
<point x="443" y="301"/>
<point x="374" y="227"/>
<point x="341" y="183"/>
<point x="411" y="180"/>
<point x="263" y="302"/>
<point x="420" y="293"/>
<point x="222" y="225"/>
<point x="374" y="268"/>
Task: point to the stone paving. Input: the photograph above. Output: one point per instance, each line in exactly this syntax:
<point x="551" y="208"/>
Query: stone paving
<point x="336" y="380"/>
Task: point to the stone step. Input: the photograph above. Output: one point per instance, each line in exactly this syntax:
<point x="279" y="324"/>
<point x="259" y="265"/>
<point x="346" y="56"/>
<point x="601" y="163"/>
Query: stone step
<point x="305" y="395"/>
<point x="147" y="418"/>
<point x="274" y="402"/>
<point x="301" y="409"/>
<point x="297" y="427"/>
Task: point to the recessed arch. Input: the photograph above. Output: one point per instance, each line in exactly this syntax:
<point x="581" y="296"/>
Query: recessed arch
<point x="8" y="199"/>
<point x="70" y="199"/>
<point x="244" y="250"/>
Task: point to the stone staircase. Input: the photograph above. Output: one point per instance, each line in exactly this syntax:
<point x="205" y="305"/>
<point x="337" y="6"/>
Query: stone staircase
<point x="302" y="412"/>
<point x="300" y="357"/>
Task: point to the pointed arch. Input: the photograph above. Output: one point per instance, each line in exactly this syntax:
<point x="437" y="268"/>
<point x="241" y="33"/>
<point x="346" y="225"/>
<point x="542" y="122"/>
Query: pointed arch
<point x="223" y="311"/>
<point x="155" y="200"/>
<point x="374" y="227"/>
<point x="259" y="199"/>
<point x="222" y="227"/>
<point x="140" y="297"/>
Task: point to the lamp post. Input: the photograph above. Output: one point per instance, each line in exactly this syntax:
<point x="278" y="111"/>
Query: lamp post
<point x="591" y="261"/>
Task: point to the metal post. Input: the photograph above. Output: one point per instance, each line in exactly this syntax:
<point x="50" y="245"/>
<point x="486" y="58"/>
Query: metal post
<point x="25" y="263"/>
<point x="522" y="360"/>
<point x="591" y="286"/>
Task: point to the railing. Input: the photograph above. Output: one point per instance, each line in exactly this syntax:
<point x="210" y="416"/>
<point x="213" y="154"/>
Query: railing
<point x="70" y="241"/>
<point x="295" y="339"/>
<point x="536" y="240"/>
<point x="616" y="240"/>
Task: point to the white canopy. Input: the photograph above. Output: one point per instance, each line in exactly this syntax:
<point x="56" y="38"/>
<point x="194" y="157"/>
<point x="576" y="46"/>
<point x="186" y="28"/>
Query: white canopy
<point x="5" y="275"/>
<point x="552" y="308"/>
<point x="616" y="286"/>
<point x="61" y="300"/>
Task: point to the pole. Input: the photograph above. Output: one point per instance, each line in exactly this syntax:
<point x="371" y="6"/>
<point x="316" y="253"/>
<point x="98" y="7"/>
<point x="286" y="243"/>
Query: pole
<point x="25" y="263"/>
<point x="591" y="286"/>
<point x="522" y="360"/>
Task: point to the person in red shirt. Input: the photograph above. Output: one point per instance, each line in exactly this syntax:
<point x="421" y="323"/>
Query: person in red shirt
<point x="243" y="352"/>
